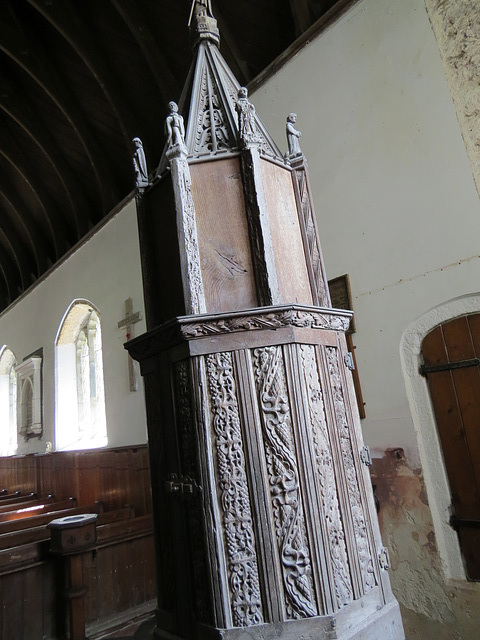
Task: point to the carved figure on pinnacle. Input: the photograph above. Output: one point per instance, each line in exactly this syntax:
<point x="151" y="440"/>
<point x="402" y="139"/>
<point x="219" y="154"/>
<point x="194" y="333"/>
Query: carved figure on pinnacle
<point x="174" y="130"/>
<point x="247" y="127"/>
<point x="140" y="165"/>
<point x="293" y="136"/>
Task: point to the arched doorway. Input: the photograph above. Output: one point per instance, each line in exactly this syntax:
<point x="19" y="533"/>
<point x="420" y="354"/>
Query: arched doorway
<point x="451" y="357"/>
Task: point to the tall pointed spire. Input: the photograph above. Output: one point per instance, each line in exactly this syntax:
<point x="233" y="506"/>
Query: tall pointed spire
<point x="211" y="94"/>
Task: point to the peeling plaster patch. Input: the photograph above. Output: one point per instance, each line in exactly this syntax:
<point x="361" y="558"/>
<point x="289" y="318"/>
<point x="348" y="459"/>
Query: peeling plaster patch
<point x="407" y="530"/>
<point x="432" y="606"/>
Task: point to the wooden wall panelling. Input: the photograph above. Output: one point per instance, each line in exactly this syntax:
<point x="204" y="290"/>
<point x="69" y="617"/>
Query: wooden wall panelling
<point x="95" y="586"/>
<point x="117" y="476"/>
<point x="10" y="587"/>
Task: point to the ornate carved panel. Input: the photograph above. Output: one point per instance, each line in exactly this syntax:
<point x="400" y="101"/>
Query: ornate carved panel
<point x="29" y="397"/>
<point x="233" y="493"/>
<point x="189" y="460"/>
<point x="283" y="476"/>
<point x="274" y="319"/>
<point x="326" y="479"/>
<point x="212" y="133"/>
<point x="311" y="239"/>
<point x="192" y="278"/>
<point x="354" y="496"/>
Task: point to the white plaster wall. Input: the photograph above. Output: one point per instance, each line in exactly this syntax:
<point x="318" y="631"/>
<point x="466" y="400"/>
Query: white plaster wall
<point x="105" y="270"/>
<point x="392" y="185"/>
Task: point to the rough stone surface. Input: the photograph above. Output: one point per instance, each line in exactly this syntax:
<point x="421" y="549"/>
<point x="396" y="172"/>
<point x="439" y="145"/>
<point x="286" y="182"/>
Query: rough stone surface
<point x="428" y="600"/>
<point x="456" y="24"/>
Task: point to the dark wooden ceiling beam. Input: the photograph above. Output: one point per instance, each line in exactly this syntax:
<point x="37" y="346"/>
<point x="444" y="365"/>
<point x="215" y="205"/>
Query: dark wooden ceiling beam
<point x="70" y="24"/>
<point x="54" y="221"/>
<point x="17" y="107"/>
<point x="36" y="62"/>
<point x="9" y="238"/>
<point x="33" y="236"/>
<point x="137" y="23"/>
<point x="10" y="268"/>
<point x="5" y="296"/>
<point x="301" y="15"/>
<point x="238" y="65"/>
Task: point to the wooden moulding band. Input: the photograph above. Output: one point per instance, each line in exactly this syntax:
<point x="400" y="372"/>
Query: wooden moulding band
<point x="187" y="328"/>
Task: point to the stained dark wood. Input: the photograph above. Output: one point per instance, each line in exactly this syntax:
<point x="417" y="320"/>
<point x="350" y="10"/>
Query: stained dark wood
<point x="115" y="476"/>
<point x="455" y="396"/>
<point x="119" y="573"/>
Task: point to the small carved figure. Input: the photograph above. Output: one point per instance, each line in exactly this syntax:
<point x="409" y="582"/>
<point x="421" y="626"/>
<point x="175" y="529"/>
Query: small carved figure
<point x="247" y="126"/>
<point x="175" y="129"/>
<point x="293" y="136"/>
<point x="140" y="165"/>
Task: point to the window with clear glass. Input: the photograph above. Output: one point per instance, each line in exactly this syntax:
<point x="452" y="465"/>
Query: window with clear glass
<point x="80" y="398"/>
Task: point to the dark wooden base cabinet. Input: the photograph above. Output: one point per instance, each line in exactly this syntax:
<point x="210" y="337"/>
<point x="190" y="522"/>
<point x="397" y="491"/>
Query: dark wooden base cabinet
<point x="263" y="504"/>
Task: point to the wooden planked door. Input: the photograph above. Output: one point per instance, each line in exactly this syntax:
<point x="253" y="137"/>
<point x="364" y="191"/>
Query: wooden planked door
<point x="451" y="355"/>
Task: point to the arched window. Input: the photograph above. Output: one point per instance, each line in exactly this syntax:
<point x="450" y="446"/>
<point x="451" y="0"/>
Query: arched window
<point x="80" y="399"/>
<point x="8" y="402"/>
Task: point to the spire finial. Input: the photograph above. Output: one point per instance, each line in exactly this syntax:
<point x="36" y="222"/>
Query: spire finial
<point x="202" y="23"/>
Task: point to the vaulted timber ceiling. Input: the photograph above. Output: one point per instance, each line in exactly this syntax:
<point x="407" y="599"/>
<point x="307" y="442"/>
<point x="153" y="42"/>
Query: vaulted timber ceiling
<point x="78" y="80"/>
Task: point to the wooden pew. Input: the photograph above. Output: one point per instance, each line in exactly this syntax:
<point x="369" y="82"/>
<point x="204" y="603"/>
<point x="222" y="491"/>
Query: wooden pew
<point x="37" y="509"/>
<point x="17" y="533"/>
<point x="24" y="504"/>
<point x="5" y="495"/>
<point x="45" y="518"/>
<point x="17" y="498"/>
<point x="118" y="570"/>
<point x="39" y="533"/>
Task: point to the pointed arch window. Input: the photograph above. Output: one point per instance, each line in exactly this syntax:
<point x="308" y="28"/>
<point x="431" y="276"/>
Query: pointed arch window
<point x="8" y="402"/>
<point x="80" y="398"/>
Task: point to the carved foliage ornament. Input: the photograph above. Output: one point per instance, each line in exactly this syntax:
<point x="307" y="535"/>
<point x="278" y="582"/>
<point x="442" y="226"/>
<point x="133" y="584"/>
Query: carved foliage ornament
<point x="235" y="503"/>
<point x="359" y="523"/>
<point x="272" y="320"/>
<point x="326" y="478"/>
<point x="212" y="133"/>
<point x="284" y="483"/>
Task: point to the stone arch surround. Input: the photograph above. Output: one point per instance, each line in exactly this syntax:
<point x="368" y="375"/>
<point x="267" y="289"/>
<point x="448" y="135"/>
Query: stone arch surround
<point x="425" y="426"/>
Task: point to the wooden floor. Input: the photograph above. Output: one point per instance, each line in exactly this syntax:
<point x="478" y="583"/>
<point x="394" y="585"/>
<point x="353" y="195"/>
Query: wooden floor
<point x="142" y="630"/>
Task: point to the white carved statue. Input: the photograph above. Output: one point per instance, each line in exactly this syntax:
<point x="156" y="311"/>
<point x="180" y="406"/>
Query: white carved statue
<point x="140" y="164"/>
<point x="247" y="126"/>
<point x="174" y="126"/>
<point x="293" y="136"/>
